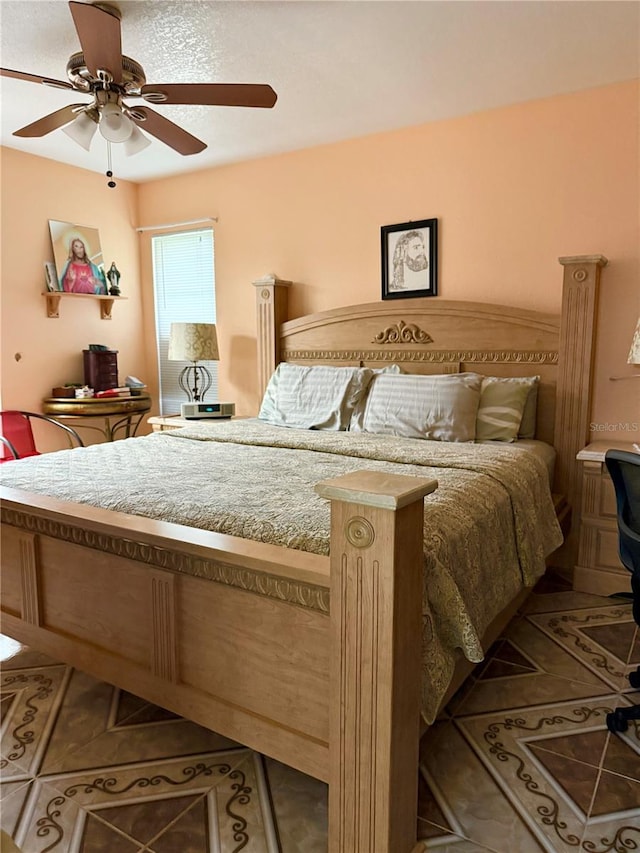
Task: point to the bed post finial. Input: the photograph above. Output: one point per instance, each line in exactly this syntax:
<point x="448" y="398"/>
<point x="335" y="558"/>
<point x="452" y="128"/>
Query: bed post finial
<point x="376" y="621"/>
<point x="272" y="295"/>
<point x="581" y="284"/>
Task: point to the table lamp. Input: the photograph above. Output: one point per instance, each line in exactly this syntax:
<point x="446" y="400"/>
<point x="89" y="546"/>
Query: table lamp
<point x="194" y="342"/>
<point x="634" y="355"/>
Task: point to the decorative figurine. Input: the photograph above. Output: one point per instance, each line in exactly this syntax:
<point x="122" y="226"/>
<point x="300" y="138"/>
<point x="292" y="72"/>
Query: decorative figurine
<point x="113" y="277"/>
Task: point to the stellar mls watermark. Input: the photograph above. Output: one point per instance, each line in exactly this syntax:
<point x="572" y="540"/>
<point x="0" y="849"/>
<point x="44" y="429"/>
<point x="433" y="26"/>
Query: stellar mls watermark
<point x="621" y="426"/>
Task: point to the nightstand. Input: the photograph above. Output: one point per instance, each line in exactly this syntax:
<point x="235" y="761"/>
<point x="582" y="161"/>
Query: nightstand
<point x="599" y="570"/>
<point x="161" y="423"/>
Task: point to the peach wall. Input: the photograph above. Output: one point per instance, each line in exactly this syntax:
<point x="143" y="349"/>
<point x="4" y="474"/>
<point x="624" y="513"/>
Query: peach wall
<point x="513" y="189"/>
<point x="39" y="353"/>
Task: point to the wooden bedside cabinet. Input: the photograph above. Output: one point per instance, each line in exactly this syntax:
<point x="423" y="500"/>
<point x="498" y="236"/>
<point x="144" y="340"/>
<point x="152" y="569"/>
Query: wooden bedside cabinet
<point x="599" y="570"/>
<point x="161" y="423"/>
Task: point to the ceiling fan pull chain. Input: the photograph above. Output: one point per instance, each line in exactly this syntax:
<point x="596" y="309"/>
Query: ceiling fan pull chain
<point x="110" y="183"/>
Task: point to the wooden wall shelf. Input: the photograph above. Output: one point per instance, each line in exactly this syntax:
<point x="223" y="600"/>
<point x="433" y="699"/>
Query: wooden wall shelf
<point x="106" y="302"/>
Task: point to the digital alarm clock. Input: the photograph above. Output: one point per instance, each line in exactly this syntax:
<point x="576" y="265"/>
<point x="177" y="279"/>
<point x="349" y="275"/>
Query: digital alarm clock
<point x="196" y="411"/>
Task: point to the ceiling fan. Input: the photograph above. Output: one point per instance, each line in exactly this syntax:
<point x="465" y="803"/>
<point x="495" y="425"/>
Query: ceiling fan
<point x="101" y="71"/>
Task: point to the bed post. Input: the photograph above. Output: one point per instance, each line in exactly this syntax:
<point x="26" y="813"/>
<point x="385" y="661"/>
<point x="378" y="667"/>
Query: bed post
<point x="374" y="719"/>
<point x="272" y="295"/>
<point x="581" y="284"/>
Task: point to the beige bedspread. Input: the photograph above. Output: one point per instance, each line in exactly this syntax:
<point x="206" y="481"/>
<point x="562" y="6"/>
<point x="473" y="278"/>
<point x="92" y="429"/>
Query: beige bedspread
<point x="488" y="526"/>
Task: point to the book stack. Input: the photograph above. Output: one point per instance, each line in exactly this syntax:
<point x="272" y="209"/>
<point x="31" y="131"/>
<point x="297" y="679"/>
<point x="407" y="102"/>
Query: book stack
<point x="123" y="391"/>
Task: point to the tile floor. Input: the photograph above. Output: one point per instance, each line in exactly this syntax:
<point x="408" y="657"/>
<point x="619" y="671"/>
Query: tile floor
<point x="520" y="761"/>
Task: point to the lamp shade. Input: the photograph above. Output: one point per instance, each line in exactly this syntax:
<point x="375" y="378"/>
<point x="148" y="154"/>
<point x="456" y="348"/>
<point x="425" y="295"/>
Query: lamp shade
<point x="193" y="342"/>
<point x="634" y="352"/>
<point x="136" y="142"/>
<point x="114" y="125"/>
<point x="81" y="130"/>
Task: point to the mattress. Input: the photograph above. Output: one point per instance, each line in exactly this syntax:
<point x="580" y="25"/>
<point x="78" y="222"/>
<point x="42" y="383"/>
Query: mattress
<point x="487" y="528"/>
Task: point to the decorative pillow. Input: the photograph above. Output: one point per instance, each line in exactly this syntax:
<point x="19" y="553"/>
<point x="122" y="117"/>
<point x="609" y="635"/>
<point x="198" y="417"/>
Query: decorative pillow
<point x="316" y="397"/>
<point x="528" y="423"/>
<point x="390" y="368"/>
<point x="441" y="407"/>
<point x="502" y="406"/>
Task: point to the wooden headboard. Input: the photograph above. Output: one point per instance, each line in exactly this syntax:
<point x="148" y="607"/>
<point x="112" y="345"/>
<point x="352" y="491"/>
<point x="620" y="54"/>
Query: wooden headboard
<point x="434" y="335"/>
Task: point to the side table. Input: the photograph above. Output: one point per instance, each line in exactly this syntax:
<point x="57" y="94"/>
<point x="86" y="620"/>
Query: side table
<point x="116" y="413"/>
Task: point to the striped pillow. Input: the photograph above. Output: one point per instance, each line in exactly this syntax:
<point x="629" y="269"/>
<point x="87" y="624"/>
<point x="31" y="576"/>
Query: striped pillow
<point x="502" y="406"/>
<point x="442" y="408"/>
<point x="316" y="397"/>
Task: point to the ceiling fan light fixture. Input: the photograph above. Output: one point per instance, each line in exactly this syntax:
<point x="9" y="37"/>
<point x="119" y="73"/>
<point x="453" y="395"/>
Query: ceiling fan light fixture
<point x="136" y="142"/>
<point x="100" y="69"/>
<point x="81" y="130"/>
<point x="115" y="126"/>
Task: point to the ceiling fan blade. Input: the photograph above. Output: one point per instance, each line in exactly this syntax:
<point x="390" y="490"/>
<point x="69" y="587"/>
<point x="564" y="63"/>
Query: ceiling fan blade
<point x="99" y="34"/>
<point x="35" y="78"/>
<point x="51" y="122"/>
<point x="166" y="131"/>
<point x="211" y="94"/>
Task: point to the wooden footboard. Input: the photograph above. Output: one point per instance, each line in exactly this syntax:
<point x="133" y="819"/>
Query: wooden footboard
<point x="311" y="661"/>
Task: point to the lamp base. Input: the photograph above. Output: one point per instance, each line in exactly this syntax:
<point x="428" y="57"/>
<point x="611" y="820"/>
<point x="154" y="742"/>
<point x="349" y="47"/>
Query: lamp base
<point x="195" y="381"/>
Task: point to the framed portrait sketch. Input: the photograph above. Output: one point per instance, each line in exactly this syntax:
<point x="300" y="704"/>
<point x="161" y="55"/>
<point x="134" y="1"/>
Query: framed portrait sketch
<point x="78" y="256"/>
<point x="410" y="259"/>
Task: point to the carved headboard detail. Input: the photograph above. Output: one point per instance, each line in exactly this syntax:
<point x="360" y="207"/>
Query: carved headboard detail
<point x="402" y="333"/>
<point x="433" y="335"/>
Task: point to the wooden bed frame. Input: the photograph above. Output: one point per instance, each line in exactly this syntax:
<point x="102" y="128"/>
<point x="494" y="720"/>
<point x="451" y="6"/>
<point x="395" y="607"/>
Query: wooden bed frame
<point x="312" y="660"/>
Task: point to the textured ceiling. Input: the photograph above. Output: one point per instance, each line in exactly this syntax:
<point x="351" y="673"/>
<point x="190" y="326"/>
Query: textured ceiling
<point x="341" y="69"/>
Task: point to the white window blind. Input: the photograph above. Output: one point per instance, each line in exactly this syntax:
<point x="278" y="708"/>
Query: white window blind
<point x="184" y="287"/>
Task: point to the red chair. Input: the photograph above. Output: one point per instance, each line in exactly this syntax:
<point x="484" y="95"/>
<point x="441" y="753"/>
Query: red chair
<point x="16" y="434"/>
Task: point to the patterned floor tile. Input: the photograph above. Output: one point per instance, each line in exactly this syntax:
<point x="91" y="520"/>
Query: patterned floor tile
<point x="13" y="796"/>
<point x="14" y="655"/>
<point x="138" y="802"/>
<point x="564" y="800"/>
<point x="300" y="808"/>
<point x="457" y="845"/>
<point x="472" y="804"/>
<point x="129" y="710"/>
<point x="520" y="761"/>
<point x="234" y="815"/>
<point x="189" y="833"/>
<point x="604" y="639"/>
<point x="31" y="699"/>
<point x="526" y="668"/>
<point x="435" y="819"/>
<point x="92" y="731"/>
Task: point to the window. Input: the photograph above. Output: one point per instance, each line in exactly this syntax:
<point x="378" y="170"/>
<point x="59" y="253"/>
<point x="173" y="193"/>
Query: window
<point x="184" y="287"/>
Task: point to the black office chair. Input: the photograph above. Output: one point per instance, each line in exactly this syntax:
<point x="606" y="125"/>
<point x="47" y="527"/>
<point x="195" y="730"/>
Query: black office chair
<point x="624" y="469"/>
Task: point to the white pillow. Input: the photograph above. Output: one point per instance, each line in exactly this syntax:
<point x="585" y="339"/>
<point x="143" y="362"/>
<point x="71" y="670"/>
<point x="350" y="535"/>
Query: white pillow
<point x="394" y="367"/>
<point x="441" y="407"/>
<point x="316" y="397"/>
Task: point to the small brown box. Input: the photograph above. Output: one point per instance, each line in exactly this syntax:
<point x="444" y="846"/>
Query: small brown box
<point x="101" y="369"/>
<point x="63" y="391"/>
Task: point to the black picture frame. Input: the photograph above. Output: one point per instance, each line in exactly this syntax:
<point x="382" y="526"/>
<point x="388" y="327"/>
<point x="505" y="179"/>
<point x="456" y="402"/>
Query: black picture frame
<point x="409" y="258"/>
